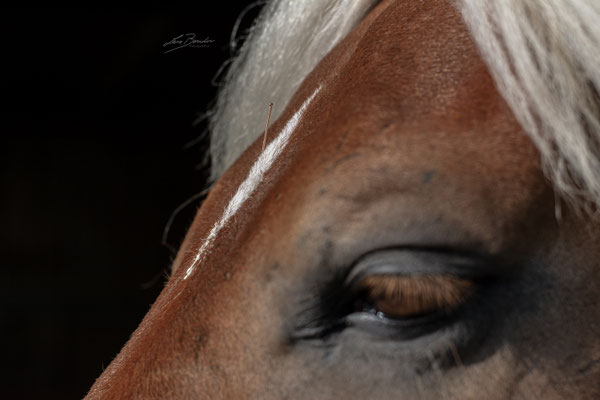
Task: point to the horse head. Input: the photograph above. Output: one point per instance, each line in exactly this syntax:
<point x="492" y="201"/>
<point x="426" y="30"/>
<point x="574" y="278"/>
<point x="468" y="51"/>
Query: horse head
<point x="415" y="226"/>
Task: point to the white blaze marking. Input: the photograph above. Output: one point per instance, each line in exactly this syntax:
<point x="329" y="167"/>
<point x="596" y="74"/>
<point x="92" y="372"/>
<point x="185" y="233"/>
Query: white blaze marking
<point x="255" y="176"/>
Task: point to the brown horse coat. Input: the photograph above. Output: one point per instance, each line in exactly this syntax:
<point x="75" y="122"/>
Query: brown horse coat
<point x="406" y="147"/>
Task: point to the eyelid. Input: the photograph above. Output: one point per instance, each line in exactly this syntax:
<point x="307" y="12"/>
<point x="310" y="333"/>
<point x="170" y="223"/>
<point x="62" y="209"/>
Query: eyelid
<point x="405" y="296"/>
<point x="419" y="261"/>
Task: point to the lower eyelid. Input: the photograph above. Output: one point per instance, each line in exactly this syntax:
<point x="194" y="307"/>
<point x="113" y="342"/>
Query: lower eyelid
<point x="397" y="329"/>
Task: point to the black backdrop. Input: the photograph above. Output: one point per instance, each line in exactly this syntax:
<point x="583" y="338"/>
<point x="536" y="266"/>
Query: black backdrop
<point x="96" y="153"/>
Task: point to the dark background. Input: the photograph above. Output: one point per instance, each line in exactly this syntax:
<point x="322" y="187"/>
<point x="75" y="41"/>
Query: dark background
<point x="98" y="148"/>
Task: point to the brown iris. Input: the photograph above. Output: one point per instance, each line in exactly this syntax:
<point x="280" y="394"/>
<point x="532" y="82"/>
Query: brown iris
<point x="411" y="296"/>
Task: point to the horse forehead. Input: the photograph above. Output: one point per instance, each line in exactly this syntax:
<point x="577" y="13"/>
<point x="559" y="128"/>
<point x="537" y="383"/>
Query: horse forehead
<point x="418" y="58"/>
<point x="412" y="64"/>
<point x="411" y="71"/>
<point x="406" y="95"/>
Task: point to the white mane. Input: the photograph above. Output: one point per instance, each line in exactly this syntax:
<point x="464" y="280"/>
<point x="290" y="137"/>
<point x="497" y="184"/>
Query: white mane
<point x="543" y="55"/>
<point x="286" y="42"/>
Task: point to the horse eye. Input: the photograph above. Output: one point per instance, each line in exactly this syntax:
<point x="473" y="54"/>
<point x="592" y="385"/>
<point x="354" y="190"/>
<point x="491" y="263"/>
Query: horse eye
<point x="400" y="294"/>
<point x="406" y="296"/>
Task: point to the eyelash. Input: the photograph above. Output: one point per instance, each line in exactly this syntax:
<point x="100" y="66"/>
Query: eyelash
<point x="405" y="297"/>
<point x="328" y="313"/>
